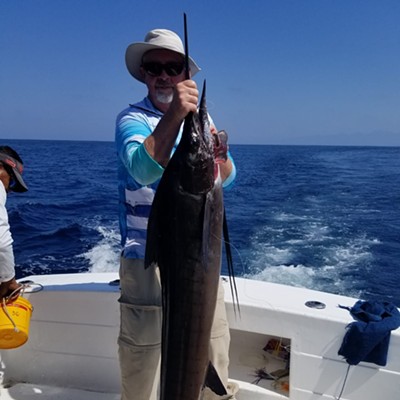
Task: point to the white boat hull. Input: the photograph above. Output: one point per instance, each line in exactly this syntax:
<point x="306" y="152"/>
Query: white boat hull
<point x="72" y="348"/>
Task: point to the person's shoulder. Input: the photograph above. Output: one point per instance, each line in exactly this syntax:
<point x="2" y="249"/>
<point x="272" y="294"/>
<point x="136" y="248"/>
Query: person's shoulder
<point x="3" y="194"/>
<point x="128" y="110"/>
<point x="143" y="108"/>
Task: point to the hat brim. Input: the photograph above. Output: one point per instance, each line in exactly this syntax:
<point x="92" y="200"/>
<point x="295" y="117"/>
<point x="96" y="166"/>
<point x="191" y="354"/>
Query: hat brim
<point x="134" y="55"/>
<point x="13" y="165"/>
<point x="19" y="185"/>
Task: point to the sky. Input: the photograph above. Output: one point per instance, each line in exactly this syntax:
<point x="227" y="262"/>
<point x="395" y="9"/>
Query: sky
<point x="278" y="72"/>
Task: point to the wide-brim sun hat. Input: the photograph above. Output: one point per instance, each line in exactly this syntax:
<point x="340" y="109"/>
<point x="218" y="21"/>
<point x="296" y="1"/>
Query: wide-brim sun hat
<point x="16" y="167"/>
<point x="155" y="39"/>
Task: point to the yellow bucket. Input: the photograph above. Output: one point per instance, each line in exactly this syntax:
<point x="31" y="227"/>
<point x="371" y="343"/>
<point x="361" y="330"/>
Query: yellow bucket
<point x="15" y="317"/>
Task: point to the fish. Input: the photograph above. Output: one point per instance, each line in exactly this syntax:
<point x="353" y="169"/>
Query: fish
<point x="184" y="238"/>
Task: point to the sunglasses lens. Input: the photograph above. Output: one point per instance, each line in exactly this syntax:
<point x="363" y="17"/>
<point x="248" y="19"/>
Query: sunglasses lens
<point x="153" y="69"/>
<point x="173" y="69"/>
<point x="156" y="69"/>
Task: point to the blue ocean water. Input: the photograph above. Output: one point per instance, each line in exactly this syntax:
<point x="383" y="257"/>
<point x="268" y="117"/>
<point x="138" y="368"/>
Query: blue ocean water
<point x="325" y="218"/>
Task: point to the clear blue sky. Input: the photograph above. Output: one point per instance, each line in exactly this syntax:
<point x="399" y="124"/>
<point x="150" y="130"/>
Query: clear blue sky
<point x="278" y="72"/>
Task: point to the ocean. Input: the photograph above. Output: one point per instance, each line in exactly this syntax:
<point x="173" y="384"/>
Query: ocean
<point x="321" y="217"/>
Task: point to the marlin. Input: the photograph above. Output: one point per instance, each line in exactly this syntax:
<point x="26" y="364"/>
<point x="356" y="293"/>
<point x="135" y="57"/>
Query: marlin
<point x="184" y="239"/>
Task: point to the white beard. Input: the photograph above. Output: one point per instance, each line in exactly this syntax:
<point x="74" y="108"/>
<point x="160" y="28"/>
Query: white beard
<point x="164" y="98"/>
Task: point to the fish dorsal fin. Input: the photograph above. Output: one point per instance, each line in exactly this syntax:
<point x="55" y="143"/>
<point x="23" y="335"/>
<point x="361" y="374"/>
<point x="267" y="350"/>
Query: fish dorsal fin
<point x="213" y="381"/>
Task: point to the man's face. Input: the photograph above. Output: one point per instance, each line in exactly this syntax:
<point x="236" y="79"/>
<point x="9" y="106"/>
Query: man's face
<point x="162" y="70"/>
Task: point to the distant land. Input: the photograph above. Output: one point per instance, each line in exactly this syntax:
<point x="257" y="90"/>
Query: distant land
<point x="354" y="139"/>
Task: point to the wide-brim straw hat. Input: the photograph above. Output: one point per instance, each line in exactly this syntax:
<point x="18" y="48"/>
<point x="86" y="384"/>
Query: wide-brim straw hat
<point x="155" y="39"/>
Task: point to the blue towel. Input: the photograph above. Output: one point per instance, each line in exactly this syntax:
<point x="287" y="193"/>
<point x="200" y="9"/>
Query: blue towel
<point x="367" y="339"/>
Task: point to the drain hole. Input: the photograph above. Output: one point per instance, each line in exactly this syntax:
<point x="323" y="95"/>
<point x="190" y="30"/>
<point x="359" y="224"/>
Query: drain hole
<point x="315" y="304"/>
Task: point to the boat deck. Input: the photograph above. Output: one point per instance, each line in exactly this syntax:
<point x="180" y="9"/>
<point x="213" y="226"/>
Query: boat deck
<point x="27" y="391"/>
<point x="72" y="349"/>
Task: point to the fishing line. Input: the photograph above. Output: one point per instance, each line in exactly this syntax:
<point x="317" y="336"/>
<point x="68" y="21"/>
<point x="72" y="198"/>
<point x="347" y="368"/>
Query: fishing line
<point x="227" y="244"/>
<point x="344" y="383"/>
<point x="231" y="269"/>
<point x="237" y="252"/>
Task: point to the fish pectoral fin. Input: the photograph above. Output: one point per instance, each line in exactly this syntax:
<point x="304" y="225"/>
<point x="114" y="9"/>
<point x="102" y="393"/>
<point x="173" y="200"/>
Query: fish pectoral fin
<point x="213" y="381"/>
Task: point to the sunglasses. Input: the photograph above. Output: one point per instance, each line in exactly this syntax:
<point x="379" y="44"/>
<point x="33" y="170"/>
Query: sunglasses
<point x="156" y="68"/>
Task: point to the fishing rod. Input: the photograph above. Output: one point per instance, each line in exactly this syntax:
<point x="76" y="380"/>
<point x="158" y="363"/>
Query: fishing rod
<point x="187" y="75"/>
<point x="187" y="72"/>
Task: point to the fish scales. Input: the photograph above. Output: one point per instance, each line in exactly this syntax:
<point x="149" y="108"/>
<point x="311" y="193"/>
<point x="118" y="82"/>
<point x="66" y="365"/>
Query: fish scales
<point x="184" y="239"/>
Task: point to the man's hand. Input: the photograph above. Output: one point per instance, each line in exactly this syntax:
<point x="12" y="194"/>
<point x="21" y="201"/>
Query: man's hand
<point x="220" y="146"/>
<point x="161" y="142"/>
<point x="221" y="152"/>
<point x="6" y="288"/>
<point x="186" y="97"/>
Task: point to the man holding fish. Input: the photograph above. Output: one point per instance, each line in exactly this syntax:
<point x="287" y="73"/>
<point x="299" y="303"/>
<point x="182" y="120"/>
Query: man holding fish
<point x="147" y="134"/>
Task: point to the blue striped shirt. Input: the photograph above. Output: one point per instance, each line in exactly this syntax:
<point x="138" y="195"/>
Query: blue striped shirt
<point x="139" y="174"/>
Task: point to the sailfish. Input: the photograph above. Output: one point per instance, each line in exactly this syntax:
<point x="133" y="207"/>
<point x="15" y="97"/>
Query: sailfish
<point x="184" y="238"/>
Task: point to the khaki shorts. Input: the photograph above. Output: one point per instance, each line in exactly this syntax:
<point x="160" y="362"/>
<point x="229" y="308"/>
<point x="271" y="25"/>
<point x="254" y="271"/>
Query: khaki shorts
<point x="140" y="331"/>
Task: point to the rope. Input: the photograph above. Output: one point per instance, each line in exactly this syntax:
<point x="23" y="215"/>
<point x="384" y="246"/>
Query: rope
<point x="7" y="300"/>
<point x="344" y="383"/>
<point x="18" y="289"/>
<point x="9" y="316"/>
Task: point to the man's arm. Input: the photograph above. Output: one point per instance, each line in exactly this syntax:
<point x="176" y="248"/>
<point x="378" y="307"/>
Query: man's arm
<point x="7" y="264"/>
<point x="161" y="142"/>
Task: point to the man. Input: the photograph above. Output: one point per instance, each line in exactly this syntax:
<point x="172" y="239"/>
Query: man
<point x="11" y="168"/>
<point x="146" y="134"/>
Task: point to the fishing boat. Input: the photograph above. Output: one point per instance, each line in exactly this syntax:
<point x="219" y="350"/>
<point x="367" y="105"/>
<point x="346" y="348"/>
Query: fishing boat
<point x="284" y="344"/>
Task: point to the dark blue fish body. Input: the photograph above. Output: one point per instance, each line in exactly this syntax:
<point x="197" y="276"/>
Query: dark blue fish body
<point x="184" y="239"/>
